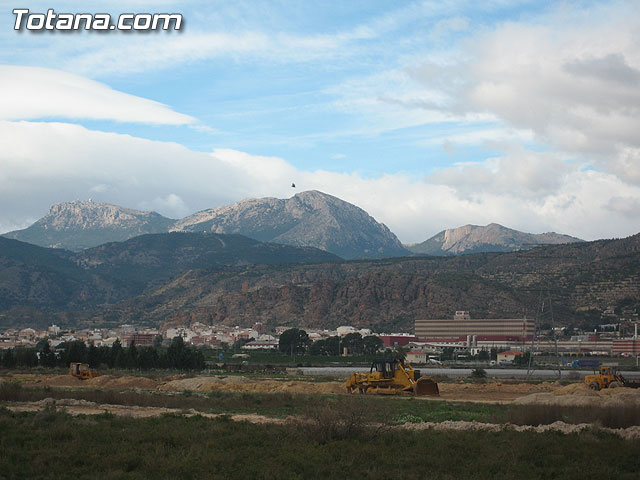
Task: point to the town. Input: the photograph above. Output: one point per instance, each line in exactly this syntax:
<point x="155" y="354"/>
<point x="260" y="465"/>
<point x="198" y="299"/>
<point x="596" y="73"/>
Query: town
<point x="460" y="337"/>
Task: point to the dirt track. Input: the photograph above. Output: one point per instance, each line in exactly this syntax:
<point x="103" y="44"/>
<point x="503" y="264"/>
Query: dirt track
<point x="83" y="407"/>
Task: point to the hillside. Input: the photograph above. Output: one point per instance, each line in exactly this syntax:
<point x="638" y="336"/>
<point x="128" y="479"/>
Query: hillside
<point x="390" y="294"/>
<point x="310" y="218"/>
<point x="489" y="238"/>
<point x="184" y="277"/>
<point x="79" y="224"/>
<point x="55" y="280"/>
<point x="153" y="259"/>
<point x="42" y="277"/>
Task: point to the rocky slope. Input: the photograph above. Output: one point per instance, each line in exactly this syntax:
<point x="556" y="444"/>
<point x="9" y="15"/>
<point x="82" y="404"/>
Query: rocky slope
<point x="489" y="238"/>
<point x="83" y="224"/>
<point x="56" y="280"/>
<point x="310" y="218"/>
<point x="153" y="259"/>
<point x="582" y="278"/>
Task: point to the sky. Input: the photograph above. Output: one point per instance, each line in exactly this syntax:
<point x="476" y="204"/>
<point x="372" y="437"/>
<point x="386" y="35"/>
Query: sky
<point x="428" y="115"/>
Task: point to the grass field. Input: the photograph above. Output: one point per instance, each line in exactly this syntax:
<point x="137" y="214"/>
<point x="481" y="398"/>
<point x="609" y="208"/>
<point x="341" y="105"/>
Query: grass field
<point x="51" y="444"/>
<point x="389" y="410"/>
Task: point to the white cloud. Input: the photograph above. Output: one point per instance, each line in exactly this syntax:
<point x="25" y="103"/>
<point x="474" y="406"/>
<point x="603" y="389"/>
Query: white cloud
<point x="28" y="93"/>
<point x="43" y="163"/>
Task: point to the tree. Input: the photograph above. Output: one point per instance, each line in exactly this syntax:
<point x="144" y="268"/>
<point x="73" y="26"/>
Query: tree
<point x="294" y="341"/>
<point x="494" y="354"/>
<point x="132" y="355"/>
<point x="9" y="359"/>
<point x="47" y="357"/>
<point x="371" y="344"/>
<point x="522" y="360"/>
<point x="353" y="343"/>
<point x="75" y="351"/>
<point x="157" y="341"/>
<point x="447" y="353"/>
<point x="483" y="355"/>
<point x="26" y="357"/>
<point x="116" y="359"/>
<point x="399" y="353"/>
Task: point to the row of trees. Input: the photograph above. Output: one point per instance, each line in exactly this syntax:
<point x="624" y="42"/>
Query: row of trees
<point x="178" y="356"/>
<point x="296" y="341"/>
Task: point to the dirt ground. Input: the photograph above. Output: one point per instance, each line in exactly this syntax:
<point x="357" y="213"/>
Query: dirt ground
<point x="83" y="407"/>
<point x="546" y="393"/>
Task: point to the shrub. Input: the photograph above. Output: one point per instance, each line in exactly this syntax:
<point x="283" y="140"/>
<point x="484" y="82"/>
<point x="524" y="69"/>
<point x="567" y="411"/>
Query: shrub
<point x="408" y="418"/>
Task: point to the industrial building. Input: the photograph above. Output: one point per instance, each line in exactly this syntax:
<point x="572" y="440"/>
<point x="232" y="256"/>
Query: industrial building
<point x="475" y="332"/>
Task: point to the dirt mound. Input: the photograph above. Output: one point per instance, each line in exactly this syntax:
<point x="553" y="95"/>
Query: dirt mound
<point x="246" y="385"/>
<point x="498" y="387"/>
<point x="59" y="381"/>
<point x="103" y="381"/>
<point x="125" y="382"/>
<point x="630" y="433"/>
<point x="580" y="395"/>
<point x="578" y="389"/>
<point x="267" y="386"/>
<point x="65" y="402"/>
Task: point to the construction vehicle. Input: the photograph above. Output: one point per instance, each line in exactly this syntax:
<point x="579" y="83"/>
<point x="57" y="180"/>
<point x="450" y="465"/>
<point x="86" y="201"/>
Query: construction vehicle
<point x="392" y="377"/>
<point x="82" y="371"/>
<point x="609" y="377"/>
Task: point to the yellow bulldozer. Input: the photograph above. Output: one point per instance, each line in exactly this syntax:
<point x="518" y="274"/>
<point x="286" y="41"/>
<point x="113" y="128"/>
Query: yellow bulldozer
<point x="82" y="371"/>
<point x="609" y="377"/>
<point x="392" y="377"/>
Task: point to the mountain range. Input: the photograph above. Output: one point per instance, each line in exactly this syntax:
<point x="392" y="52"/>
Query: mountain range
<point x="311" y="219"/>
<point x="180" y="278"/>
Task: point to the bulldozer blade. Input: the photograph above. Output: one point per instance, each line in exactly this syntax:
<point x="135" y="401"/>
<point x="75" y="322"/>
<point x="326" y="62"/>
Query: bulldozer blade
<point x="426" y="386"/>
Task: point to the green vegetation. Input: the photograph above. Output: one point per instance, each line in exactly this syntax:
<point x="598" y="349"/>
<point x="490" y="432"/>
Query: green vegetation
<point x="377" y="409"/>
<point x="51" y="444"/>
<point x="388" y="410"/>
<point x="178" y="356"/>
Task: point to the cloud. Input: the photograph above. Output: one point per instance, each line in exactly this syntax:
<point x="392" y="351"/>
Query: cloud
<point x="43" y="163"/>
<point x="571" y="79"/>
<point x="520" y="173"/>
<point x="28" y="93"/>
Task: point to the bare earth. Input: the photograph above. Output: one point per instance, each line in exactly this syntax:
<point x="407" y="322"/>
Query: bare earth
<point x="489" y="392"/>
<point x="547" y="393"/>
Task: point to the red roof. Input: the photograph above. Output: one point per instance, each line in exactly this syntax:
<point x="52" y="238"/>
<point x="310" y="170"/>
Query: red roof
<point x="511" y="352"/>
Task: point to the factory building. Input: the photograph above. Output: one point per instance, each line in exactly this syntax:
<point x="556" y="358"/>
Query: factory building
<point x="486" y="331"/>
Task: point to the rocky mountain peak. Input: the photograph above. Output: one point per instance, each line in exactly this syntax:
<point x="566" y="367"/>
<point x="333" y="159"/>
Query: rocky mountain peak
<point x="309" y="218"/>
<point x="83" y="223"/>
<point x="489" y="238"/>
<point x="87" y="214"/>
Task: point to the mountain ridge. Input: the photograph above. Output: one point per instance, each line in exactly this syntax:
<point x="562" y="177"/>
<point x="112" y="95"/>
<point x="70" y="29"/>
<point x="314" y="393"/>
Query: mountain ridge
<point x="78" y="224"/>
<point x="308" y="219"/>
<point x="488" y="238"/>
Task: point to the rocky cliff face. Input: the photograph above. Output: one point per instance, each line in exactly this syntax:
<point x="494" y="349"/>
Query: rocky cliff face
<point x="83" y="224"/>
<point x="311" y="218"/>
<point x="489" y="238"/>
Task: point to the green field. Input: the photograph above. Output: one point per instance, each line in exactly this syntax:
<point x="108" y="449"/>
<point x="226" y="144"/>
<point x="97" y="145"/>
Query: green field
<point x="51" y="444"/>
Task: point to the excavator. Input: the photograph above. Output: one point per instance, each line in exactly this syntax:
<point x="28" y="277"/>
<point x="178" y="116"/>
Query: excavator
<point x="392" y="377"/>
<point x="82" y="371"/>
<point x="609" y="377"/>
